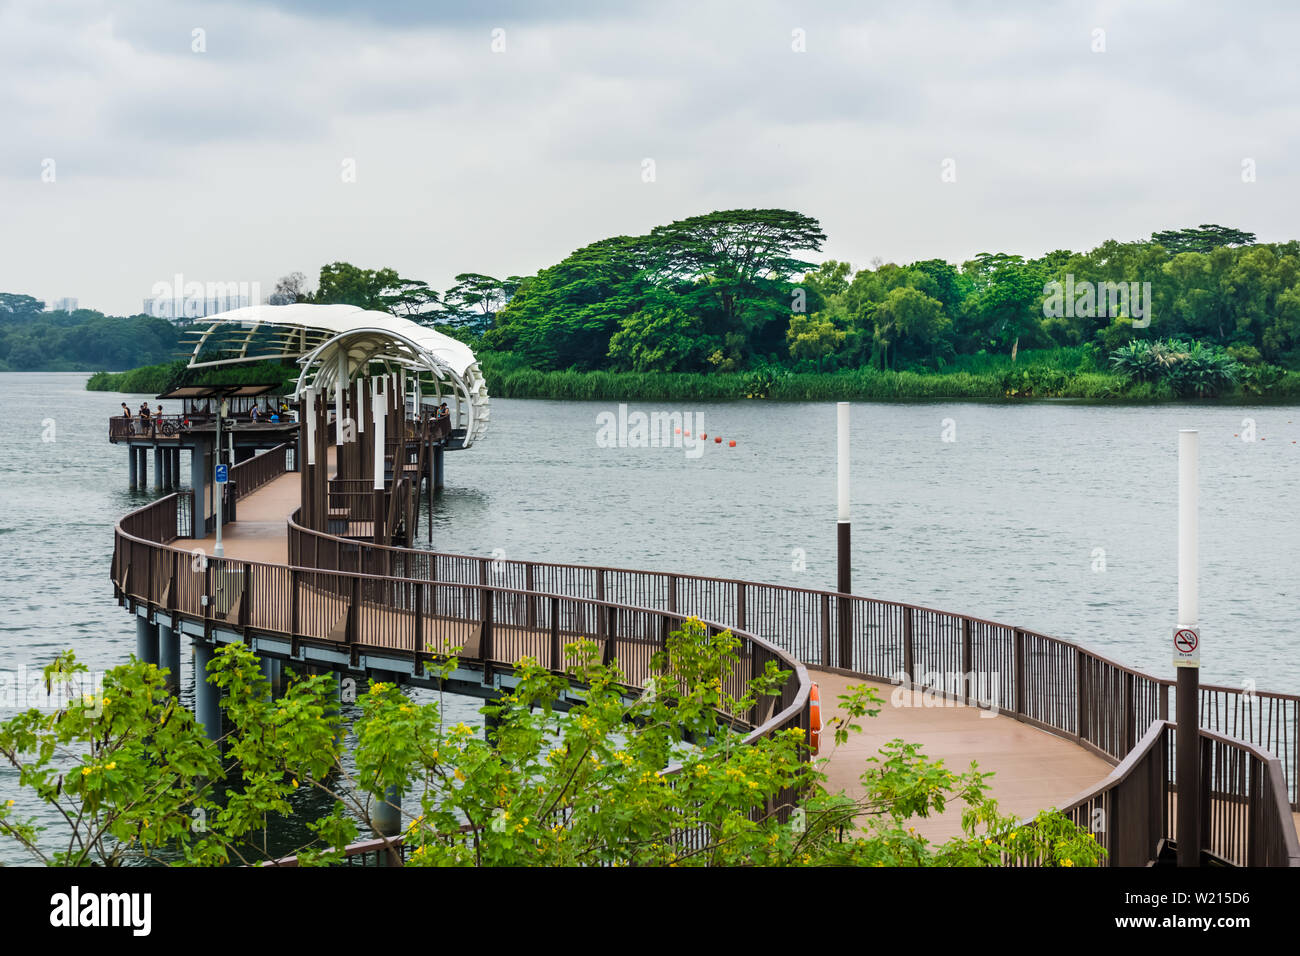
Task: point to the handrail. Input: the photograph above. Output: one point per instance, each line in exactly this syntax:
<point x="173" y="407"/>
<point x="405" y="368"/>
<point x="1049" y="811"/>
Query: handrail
<point x="253" y="473"/>
<point x="1247" y="819"/>
<point x="1055" y="684"/>
<point x="360" y="602"/>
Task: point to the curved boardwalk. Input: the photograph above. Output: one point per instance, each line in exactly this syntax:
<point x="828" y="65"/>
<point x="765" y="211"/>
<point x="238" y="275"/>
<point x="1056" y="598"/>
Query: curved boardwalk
<point x="1033" y="768"/>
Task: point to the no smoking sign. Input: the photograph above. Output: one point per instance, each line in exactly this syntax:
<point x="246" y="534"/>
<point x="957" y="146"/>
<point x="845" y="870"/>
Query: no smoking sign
<point x="1187" y="647"/>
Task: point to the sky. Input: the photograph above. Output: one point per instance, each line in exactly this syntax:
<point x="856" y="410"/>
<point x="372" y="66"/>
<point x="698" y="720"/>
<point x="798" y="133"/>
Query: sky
<point x="236" y="142"/>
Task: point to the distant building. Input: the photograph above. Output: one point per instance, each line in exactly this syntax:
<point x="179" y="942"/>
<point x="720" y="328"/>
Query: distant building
<point x="181" y="309"/>
<point x="63" y="305"/>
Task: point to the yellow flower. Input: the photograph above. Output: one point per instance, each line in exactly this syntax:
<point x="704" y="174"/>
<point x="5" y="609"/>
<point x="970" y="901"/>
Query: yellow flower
<point x="460" y="774"/>
<point x="295" y="781"/>
<point x="9" y="803"/>
<point x="1067" y="862"/>
<point x="86" y="771"/>
<point x="112" y="765"/>
<point x="988" y="842"/>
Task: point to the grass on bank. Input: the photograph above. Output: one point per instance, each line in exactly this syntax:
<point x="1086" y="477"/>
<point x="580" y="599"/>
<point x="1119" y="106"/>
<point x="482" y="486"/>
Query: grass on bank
<point x="1049" y="373"/>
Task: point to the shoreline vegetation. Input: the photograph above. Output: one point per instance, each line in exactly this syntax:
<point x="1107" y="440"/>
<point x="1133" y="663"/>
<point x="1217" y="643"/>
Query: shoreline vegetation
<point x="1037" y="375"/>
<point x="725" y="306"/>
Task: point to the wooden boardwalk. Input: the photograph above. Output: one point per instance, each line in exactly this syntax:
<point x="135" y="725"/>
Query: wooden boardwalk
<point x="1032" y="769"/>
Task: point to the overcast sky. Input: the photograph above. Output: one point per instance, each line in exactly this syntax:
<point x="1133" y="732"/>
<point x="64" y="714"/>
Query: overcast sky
<point x="228" y="165"/>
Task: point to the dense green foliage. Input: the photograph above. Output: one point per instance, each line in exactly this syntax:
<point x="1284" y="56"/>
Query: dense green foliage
<point x="135" y="779"/>
<point x="708" y="293"/>
<point x="729" y="294"/>
<point x="32" y="339"/>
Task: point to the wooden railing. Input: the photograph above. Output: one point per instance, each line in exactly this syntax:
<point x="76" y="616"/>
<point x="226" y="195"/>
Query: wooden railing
<point x="164" y="428"/>
<point x="486" y="625"/>
<point x="255" y="472"/>
<point x="1048" y="682"/>
<point x="1246" y="817"/>
<point x="340" y="591"/>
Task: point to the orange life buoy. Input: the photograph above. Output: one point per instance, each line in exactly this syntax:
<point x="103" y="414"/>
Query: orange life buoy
<point x="815" y="717"/>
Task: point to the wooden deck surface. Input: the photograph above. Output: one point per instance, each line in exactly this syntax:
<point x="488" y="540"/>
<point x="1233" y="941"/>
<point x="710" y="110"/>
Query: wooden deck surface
<point x="1032" y="768"/>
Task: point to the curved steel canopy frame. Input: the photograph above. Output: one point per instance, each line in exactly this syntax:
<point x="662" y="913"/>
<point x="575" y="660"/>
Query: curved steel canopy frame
<point x="315" y="336"/>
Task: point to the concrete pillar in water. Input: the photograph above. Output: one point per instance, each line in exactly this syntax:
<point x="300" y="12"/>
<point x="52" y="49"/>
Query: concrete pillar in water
<point x="198" y="481"/>
<point x="272" y="669"/>
<point x="157" y="468"/>
<point x="176" y="467"/>
<point x="146" y="640"/>
<point x="437" y="468"/>
<point x="169" y="656"/>
<point x="207" y="697"/>
<point x="131" y="463"/>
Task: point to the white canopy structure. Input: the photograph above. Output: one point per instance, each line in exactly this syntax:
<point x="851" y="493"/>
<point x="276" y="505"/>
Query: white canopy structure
<point x="336" y="343"/>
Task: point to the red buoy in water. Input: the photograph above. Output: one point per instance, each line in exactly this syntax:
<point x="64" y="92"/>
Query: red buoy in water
<point x="718" y="440"/>
<point x="732" y="443"/>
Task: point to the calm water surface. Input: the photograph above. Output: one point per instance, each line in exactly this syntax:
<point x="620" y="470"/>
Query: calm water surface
<point x="1005" y="522"/>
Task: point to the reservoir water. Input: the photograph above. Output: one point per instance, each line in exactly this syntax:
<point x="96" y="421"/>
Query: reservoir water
<point x="1055" y="516"/>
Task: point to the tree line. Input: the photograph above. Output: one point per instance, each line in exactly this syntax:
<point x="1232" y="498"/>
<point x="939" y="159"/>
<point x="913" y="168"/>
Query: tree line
<point x="735" y="291"/>
<point x="32" y="339"/>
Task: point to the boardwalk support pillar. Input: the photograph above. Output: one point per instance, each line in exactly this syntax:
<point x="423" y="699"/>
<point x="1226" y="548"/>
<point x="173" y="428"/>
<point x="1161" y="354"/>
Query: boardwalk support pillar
<point x="146" y="640"/>
<point x="132" y="463"/>
<point x="169" y="656"/>
<point x="199" y="472"/>
<point x="207" y="697"/>
<point x="438" y="483"/>
<point x="272" y="669"/>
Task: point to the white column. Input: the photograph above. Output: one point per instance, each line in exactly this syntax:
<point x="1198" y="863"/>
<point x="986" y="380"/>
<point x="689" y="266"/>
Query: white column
<point x="842" y="448"/>
<point x="1188" y="611"/>
<point x="340" y="379"/>
<point x="311" y="425"/>
<point x="379" y="406"/>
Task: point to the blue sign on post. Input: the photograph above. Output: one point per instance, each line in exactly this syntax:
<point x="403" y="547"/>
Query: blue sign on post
<point x="223" y="473"/>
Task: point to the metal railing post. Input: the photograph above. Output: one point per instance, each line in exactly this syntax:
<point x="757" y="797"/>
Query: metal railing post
<point x="1018" y="666"/>
<point x="557" y="663"/>
<point x="909" y="648"/>
<point x="968" y="659"/>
